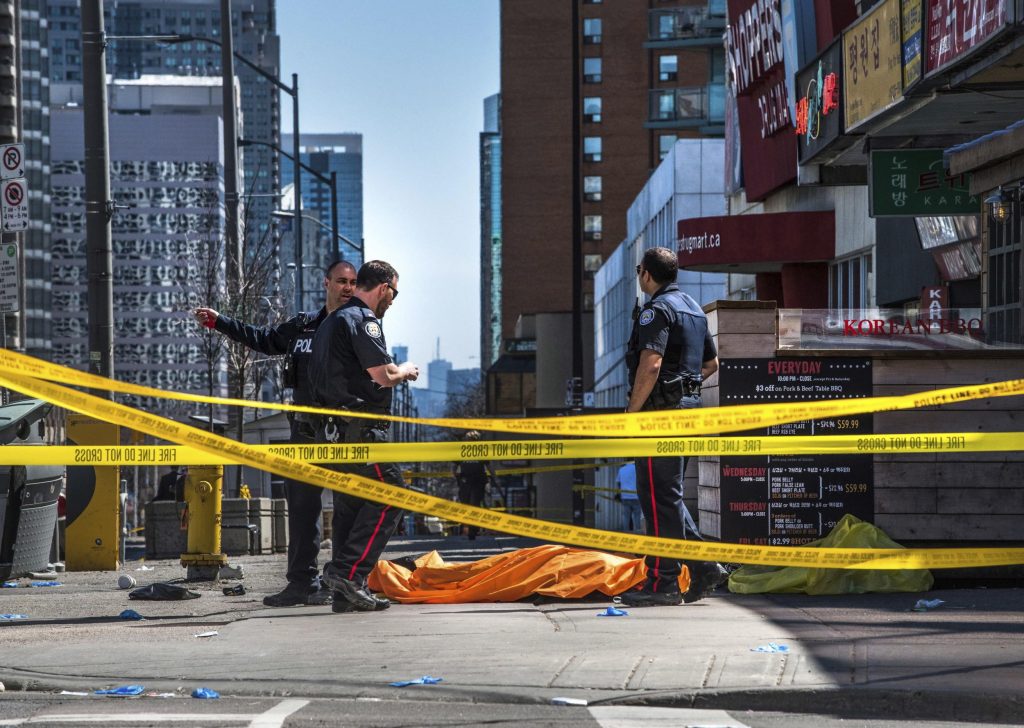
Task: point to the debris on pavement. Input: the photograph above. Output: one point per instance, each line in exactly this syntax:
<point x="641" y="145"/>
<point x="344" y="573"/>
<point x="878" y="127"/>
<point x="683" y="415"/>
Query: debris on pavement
<point x="425" y="680"/>
<point x="131" y="614"/>
<point x="205" y="693"/>
<point x="212" y="633"/>
<point x="568" y="701"/>
<point x="146" y="568"/>
<point x="13" y="616"/>
<point x="923" y="605"/>
<point x="73" y="692"/>
<point x="770" y="647"/>
<point x="161" y="592"/>
<point x="125" y="581"/>
<point x="15" y="584"/>
<point x="230" y="572"/>
<point x="234" y="591"/>
<point x="613" y="612"/>
<point x="123" y="691"/>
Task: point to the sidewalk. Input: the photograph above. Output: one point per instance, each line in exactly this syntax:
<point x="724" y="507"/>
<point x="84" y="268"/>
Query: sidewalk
<point x="857" y="654"/>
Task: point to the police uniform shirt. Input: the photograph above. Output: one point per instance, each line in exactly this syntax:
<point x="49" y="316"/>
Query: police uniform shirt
<point x="294" y="337"/>
<point x="672" y="324"/>
<point x="347" y="343"/>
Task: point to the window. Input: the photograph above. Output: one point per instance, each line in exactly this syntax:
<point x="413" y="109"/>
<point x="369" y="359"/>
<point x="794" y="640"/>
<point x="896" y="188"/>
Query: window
<point x="665" y="142"/>
<point x="592" y="109"/>
<point x="668" y="68"/>
<point x="592" y="70"/>
<point x="717" y="62"/>
<point x="850" y="283"/>
<point x="591" y="263"/>
<point x="592" y="188"/>
<point x="591" y="31"/>
<point x="592" y="226"/>
<point x="591" y="149"/>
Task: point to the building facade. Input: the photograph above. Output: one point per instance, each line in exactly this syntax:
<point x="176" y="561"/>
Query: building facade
<point x="167" y="173"/>
<point x="490" y="232"/>
<point x="254" y="24"/>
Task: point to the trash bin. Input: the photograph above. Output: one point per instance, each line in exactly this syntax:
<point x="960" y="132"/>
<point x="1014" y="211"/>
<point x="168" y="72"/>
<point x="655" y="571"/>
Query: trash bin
<point x="28" y="493"/>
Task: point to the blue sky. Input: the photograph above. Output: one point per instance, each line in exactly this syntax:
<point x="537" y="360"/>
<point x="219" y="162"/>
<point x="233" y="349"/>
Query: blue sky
<point x="411" y="77"/>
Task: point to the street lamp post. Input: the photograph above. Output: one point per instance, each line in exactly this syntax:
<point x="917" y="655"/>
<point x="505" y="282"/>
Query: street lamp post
<point x="288" y="215"/>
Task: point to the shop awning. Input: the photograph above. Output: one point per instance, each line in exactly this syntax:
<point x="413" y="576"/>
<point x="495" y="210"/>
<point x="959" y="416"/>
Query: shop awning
<point x="756" y="243"/>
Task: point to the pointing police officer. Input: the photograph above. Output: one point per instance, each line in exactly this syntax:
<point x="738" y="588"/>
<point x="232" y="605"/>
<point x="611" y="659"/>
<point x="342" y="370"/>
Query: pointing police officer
<point x="670" y="353"/>
<point x="294" y="338"/>
<point x="350" y="369"/>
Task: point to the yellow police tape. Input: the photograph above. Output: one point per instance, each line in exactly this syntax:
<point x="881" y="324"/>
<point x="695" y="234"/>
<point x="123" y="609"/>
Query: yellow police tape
<point x="401" y="452"/>
<point x="649" y="424"/>
<point x="499" y="472"/>
<point x="519" y="525"/>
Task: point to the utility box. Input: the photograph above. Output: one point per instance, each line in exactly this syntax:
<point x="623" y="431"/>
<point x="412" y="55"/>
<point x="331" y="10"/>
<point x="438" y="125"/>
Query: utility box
<point x="28" y="493"/>
<point x="165" y="538"/>
<point x="279" y="506"/>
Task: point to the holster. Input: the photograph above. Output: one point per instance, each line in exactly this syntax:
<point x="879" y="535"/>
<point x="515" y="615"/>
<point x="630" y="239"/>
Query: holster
<point x="670" y="389"/>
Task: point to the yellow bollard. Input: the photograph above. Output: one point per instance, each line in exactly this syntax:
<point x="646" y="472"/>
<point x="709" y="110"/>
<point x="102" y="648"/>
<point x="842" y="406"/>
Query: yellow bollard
<point x="92" y="534"/>
<point x="203" y="515"/>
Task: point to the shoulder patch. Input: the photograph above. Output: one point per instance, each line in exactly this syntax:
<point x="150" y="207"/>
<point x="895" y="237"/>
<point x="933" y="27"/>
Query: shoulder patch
<point x="372" y="328"/>
<point x="646" y="316"/>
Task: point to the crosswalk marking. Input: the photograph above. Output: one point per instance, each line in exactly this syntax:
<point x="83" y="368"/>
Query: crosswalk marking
<point x="642" y="716"/>
<point x="273" y="718"/>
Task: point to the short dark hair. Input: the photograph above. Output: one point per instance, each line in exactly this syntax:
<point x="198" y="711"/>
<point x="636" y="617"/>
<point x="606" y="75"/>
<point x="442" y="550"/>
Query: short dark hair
<point x="373" y="273"/>
<point x="662" y="264"/>
<point x="330" y="269"/>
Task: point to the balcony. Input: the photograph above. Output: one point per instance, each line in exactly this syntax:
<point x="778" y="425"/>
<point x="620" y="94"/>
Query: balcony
<point x="695" y="106"/>
<point x="689" y="26"/>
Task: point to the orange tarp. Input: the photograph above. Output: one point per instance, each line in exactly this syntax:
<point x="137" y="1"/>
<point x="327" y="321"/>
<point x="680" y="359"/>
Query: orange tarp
<point x="551" y="570"/>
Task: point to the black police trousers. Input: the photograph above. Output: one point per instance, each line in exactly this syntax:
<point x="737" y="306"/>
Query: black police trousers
<point x="659" y="486"/>
<point x="305" y="506"/>
<point x="362" y="528"/>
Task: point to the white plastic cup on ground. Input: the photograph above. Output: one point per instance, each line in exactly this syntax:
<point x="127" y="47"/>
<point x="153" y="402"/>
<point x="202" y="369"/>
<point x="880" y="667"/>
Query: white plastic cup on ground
<point x="126" y="581"/>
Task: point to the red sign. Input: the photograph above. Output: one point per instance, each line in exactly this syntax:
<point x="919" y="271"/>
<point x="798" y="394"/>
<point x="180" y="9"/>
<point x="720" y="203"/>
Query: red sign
<point x="956" y="26"/>
<point x="934" y="301"/>
<point x="754" y="45"/>
<point x="755" y="243"/>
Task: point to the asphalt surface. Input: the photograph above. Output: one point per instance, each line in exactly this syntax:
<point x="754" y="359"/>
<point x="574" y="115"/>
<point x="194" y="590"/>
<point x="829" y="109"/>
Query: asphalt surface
<point x="854" y="655"/>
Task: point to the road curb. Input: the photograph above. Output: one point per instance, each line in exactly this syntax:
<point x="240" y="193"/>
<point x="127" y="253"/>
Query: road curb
<point x="845" y="702"/>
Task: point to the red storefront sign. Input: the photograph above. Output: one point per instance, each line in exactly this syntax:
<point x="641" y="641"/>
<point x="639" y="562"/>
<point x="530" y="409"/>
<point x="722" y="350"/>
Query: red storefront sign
<point x="754" y="45"/>
<point x="756" y="243"/>
<point x="956" y="26"/>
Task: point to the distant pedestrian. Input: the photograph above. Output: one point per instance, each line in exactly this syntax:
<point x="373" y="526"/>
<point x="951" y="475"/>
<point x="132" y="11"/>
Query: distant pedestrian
<point x="472" y="477"/>
<point x="625" y="481"/>
<point x="294" y="338"/>
<point x="670" y="354"/>
<point x="171" y="486"/>
<point x="350" y="369"/>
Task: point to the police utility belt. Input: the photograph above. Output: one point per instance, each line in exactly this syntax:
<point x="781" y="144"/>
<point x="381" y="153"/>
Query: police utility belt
<point x="670" y="389"/>
<point x="339" y="429"/>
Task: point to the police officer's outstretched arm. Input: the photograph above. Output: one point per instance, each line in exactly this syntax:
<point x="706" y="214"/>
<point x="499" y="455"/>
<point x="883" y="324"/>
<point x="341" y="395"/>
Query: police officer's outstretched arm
<point x="272" y="340"/>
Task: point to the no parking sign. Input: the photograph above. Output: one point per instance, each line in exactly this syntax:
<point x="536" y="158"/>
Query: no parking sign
<point x="12" y="161"/>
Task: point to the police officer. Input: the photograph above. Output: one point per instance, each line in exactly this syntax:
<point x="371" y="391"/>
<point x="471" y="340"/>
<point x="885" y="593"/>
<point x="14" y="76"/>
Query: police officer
<point x="472" y="477"/>
<point x="670" y="353"/>
<point x="350" y="369"/>
<point x="294" y="338"/>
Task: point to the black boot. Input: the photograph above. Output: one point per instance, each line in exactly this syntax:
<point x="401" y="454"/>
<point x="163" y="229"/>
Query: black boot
<point x="296" y="594"/>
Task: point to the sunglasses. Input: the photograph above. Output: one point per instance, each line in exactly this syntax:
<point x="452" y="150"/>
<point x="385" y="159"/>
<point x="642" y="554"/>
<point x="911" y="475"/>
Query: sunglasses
<point x="394" y="292"/>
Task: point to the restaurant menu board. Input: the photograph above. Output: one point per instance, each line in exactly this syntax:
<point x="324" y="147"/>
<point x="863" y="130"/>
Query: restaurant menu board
<point x="791" y="500"/>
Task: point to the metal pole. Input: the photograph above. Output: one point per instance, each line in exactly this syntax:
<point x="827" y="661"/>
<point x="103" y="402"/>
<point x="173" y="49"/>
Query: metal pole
<point x="578" y="501"/>
<point x="98" y="205"/>
<point x="297" y="162"/>
<point x="334" y="216"/>
<point x="230" y="113"/>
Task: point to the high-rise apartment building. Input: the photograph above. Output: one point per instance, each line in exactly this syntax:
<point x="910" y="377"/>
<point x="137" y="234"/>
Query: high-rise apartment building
<point x="166" y="173"/>
<point x="35" y="134"/>
<point x="343" y="155"/>
<point x="254" y="23"/>
<point x="648" y="74"/>
<point x="490" y="232"/>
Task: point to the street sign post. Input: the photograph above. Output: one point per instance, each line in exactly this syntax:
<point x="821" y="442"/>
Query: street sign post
<point x="9" y="283"/>
<point x="14" y="197"/>
<point x="12" y="161"/>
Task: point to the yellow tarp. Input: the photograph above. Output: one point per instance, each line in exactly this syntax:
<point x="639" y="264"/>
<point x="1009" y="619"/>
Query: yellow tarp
<point x="850" y="532"/>
<point x="551" y="570"/>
